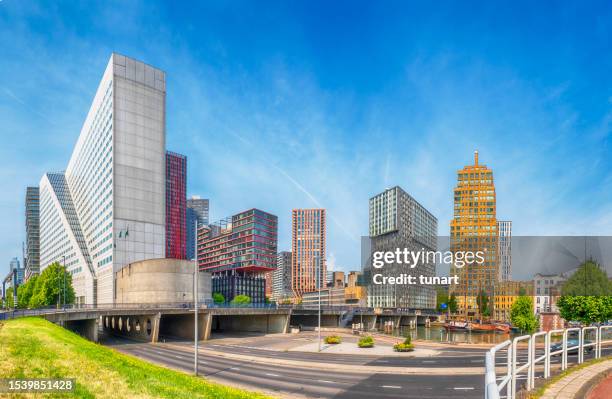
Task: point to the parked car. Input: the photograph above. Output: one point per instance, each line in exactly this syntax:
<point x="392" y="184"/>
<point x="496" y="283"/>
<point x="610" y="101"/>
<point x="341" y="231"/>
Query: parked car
<point x="571" y="342"/>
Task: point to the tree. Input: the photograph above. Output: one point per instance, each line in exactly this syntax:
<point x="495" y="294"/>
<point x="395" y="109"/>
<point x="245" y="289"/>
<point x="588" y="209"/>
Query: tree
<point x="585" y="309"/>
<point x="589" y="279"/>
<point x="9" y="301"/>
<point x="25" y="292"/>
<point x="218" y="298"/>
<point x="241" y="300"/>
<point x="483" y="303"/>
<point x="53" y="286"/>
<point x="586" y="295"/>
<point x="452" y="303"/>
<point x="522" y="315"/>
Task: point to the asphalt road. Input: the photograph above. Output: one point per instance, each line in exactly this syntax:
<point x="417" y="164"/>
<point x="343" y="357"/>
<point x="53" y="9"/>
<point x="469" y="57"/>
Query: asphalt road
<point x="292" y="381"/>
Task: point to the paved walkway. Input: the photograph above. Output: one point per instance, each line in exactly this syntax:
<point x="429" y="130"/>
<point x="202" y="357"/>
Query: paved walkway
<point x="569" y="386"/>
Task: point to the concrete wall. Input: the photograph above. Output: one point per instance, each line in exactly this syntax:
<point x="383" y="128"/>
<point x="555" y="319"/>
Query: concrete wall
<point x="267" y="324"/>
<point x="311" y="321"/>
<point x="142" y="328"/>
<point x="182" y="326"/>
<point x="87" y="328"/>
<point x="160" y="281"/>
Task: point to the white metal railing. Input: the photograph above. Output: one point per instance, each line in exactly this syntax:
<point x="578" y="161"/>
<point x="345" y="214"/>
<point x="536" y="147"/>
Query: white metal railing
<point x="514" y="370"/>
<point x="527" y="366"/>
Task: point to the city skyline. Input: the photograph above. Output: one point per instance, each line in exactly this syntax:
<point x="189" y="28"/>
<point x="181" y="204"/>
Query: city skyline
<point x="410" y="120"/>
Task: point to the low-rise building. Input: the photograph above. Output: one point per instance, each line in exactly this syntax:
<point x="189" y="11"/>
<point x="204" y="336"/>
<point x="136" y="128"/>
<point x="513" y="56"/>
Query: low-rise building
<point x="160" y="281"/>
<point x="547" y="289"/>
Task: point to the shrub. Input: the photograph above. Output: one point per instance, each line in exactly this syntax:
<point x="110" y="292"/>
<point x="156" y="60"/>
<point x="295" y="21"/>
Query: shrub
<point x="366" y="342"/>
<point x="333" y="339"/>
<point x="218" y="298"/>
<point x="403" y="347"/>
<point x="241" y="300"/>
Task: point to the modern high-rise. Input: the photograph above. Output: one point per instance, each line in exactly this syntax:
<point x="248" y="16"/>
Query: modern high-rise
<point x="197" y="210"/>
<point x="308" y="266"/>
<point x="176" y="205"/>
<point x="472" y="229"/>
<point x="397" y="220"/>
<point x="281" y="277"/>
<point x="504" y="230"/>
<point x="238" y="251"/>
<point x="108" y="208"/>
<point x="32" y="226"/>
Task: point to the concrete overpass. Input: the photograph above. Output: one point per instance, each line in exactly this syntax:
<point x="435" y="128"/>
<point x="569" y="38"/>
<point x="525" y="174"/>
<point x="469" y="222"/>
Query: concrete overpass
<point x="147" y="322"/>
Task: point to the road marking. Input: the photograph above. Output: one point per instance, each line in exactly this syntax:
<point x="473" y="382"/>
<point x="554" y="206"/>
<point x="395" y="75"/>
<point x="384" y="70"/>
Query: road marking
<point x="325" y="381"/>
<point x="463" y="388"/>
<point x="429" y="361"/>
<point x="179" y="357"/>
<point x="476" y="361"/>
<point x="381" y="361"/>
<point x="272" y="375"/>
<point x="235" y="368"/>
<point x="391" y="386"/>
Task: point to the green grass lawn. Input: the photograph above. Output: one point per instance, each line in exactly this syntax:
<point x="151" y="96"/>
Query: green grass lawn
<point x="36" y="348"/>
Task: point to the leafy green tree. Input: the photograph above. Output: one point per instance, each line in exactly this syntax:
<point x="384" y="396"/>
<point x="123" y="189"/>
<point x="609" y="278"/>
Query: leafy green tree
<point x="49" y="288"/>
<point x="25" y="292"/>
<point x="522" y="315"/>
<point x="218" y="298"/>
<point x="452" y="303"/>
<point x="589" y="280"/>
<point x="9" y="301"/>
<point x="522" y="291"/>
<point x="241" y="300"/>
<point x="585" y="309"/>
<point x="483" y="303"/>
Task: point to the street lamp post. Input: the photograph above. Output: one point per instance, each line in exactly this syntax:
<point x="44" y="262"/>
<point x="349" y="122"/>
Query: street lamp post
<point x="64" y="303"/>
<point x="195" y="302"/>
<point x="319" y="284"/>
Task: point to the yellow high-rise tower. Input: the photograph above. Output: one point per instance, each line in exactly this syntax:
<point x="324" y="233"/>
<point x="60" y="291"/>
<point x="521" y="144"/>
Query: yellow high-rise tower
<point x="474" y="228"/>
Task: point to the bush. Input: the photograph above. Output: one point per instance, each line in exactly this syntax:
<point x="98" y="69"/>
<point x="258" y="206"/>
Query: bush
<point x="241" y="300"/>
<point x="406" y="346"/>
<point x="218" y="298"/>
<point x="333" y="339"/>
<point x="366" y="342"/>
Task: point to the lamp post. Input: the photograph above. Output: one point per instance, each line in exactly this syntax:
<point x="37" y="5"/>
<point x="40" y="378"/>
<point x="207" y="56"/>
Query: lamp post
<point x="319" y="284"/>
<point x="195" y="302"/>
<point x="64" y="303"/>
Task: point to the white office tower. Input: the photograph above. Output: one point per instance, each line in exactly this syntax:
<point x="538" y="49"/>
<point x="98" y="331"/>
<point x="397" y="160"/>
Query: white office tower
<point x="108" y="208"/>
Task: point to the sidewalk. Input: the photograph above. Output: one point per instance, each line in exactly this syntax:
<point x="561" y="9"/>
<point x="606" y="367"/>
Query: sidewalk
<point x="569" y="386"/>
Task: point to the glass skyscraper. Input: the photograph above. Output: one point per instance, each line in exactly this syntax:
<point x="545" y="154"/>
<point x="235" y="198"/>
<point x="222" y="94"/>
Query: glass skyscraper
<point x="32" y="225"/>
<point x="176" y="205"/>
<point x="108" y="208"/>
<point x="308" y="266"/>
<point x="474" y="228"/>
<point x="197" y="209"/>
<point x="398" y="221"/>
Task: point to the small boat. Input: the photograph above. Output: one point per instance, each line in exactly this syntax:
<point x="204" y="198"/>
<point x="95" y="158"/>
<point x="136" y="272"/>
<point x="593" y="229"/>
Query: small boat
<point x="457" y="326"/>
<point x="502" y="328"/>
<point x="481" y="327"/>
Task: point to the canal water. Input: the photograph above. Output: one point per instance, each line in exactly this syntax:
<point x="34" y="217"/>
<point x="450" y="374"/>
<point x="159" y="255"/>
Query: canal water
<point x="439" y="334"/>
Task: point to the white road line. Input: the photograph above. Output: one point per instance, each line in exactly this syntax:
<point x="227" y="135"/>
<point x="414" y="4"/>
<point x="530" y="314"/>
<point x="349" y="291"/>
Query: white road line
<point x="381" y="361"/>
<point x="235" y="368"/>
<point x="325" y="381"/>
<point x="463" y="388"/>
<point x="272" y="375"/>
<point x="476" y="361"/>
<point x="429" y="361"/>
<point x="391" y="386"/>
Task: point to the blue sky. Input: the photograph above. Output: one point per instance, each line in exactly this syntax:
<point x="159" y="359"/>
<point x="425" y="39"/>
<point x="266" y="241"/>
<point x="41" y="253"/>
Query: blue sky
<point x="289" y="104"/>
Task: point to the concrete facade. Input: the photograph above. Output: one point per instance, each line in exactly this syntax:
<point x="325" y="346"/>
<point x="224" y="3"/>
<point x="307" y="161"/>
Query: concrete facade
<point x="108" y="208"/>
<point x="160" y="281"/>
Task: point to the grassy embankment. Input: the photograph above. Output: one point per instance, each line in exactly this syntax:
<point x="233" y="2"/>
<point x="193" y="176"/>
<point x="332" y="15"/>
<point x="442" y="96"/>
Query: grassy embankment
<point x="36" y="348"/>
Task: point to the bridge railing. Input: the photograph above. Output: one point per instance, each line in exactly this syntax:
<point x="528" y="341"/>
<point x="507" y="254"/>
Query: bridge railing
<point x="494" y="385"/>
